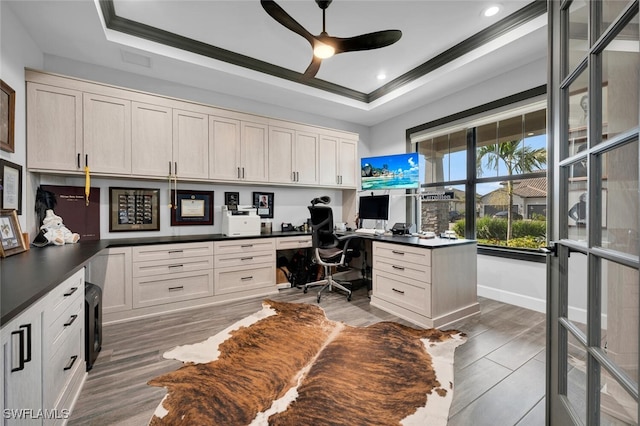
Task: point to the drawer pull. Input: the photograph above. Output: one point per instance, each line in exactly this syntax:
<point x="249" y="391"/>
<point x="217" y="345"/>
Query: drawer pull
<point x="247" y="258"/>
<point x="178" y="288"/>
<point x="175" y="251"/>
<point x="397" y="291"/>
<point x="401" y="253"/>
<point x="175" y="266"/>
<point x="246" y="278"/>
<point x="400" y="268"/>
<point x="72" y="361"/>
<point x="71" y="320"/>
<point x="246" y="245"/>
<point x="71" y="291"/>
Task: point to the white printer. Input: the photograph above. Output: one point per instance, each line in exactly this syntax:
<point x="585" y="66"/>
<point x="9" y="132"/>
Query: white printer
<point x="241" y="221"/>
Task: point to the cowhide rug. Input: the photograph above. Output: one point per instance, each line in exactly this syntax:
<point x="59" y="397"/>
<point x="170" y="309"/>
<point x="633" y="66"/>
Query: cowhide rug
<point x="289" y="365"/>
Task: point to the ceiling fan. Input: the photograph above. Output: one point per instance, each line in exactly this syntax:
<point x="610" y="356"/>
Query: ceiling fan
<point x="323" y="45"/>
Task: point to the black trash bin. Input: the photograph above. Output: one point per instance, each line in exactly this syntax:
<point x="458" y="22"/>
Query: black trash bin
<point x="92" y="323"/>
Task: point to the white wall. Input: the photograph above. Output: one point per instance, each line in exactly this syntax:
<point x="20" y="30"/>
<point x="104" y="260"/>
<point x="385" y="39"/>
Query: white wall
<point x="17" y="51"/>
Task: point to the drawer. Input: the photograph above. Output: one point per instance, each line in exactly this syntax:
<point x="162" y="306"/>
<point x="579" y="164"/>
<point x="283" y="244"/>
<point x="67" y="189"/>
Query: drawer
<point x="408" y="294"/>
<point x="288" y="243"/>
<point x="403" y="269"/>
<point x="172" y="251"/>
<point x="244" y="246"/>
<point x="150" y="291"/>
<point x="61" y="327"/>
<point x="230" y="280"/>
<point x="398" y="252"/>
<point x="175" y="266"/>
<point x="70" y="292"/>
<point x="244" y="259"/>
<point x="63" y="365"/>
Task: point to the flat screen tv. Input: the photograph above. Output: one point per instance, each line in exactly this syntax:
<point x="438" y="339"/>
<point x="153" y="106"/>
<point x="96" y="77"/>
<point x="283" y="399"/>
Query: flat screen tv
<point x="400" y="171"/>
<point x="374" y="207"/>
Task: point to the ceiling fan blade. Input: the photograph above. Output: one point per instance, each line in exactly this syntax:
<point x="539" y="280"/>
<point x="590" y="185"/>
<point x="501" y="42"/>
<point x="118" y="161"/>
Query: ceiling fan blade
<point x="278" y="13"/>
<point x="313" y="68"/>
<point x="368" y="41"/>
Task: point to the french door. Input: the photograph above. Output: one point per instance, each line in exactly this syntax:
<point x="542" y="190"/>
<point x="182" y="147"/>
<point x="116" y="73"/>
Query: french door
<point x="593" y="288"/>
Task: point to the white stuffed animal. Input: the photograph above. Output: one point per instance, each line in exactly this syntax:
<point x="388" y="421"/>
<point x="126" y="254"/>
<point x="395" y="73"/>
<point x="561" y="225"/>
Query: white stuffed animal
<point x="55" y="231"/>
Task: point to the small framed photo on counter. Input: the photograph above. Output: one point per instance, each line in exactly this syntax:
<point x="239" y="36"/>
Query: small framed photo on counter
<point x="264" y="203"/>
<point x="11" y="239"/>
<point x="192" y="208"/>
<point x="134" y="209"/>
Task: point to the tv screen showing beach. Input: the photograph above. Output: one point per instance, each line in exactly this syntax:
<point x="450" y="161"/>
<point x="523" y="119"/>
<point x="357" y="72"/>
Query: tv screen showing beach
<point x="401" y="171"/>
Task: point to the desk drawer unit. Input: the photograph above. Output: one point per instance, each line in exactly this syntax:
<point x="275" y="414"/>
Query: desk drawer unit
<point x="234" y="279"/>
<point x="404" y="292"/>
<point x="160" y="289"/>
<point x="244" y="246"/>
<point x="164" y="267"/>
<point x="171" y="252"/>
<point x="292" y="243"/>
<point x="70" y="292"/>
<point x="402" y="253"/>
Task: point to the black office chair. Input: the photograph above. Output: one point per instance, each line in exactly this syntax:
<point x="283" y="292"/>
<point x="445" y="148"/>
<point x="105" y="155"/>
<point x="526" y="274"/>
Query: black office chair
<point x="330" y="250"/>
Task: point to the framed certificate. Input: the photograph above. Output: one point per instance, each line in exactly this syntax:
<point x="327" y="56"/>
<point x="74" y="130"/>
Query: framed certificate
<point x="192" y="208"/>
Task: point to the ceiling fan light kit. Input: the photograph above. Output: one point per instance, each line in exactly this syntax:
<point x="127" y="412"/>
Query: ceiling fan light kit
<point x="324" y="46"/>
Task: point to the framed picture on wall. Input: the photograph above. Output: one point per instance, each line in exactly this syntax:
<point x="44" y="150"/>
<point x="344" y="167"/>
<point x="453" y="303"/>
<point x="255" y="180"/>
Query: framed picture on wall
<point x="134" y="209"/>
<point x="7" y="117"/>
<point x="263" y="201"/>
<point x="11" y="239"/>
<point x="192" y="208"/>
<point x="231" y="200"/>
<point x="10" y="186"/>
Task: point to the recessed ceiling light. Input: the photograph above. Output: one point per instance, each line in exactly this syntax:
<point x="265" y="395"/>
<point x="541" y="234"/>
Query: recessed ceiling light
<point x="381" y="76"/>
<point x="491" y="11"/>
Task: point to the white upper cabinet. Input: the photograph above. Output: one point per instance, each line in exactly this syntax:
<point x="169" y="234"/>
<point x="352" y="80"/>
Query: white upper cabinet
<point x="190" y="144"/>
<point x="151" y="149"/>
<point x="255" y="146"/>
<point x="338" y="161"/>
<point x="54" y="128"/>
<point x="126" y="133"/>
<point x="107" y="134"/>
<point x="225" y="151"/>
<point x="281" y="143"/>
<point x="293" y="155"/>
<point x="238" y="149"/>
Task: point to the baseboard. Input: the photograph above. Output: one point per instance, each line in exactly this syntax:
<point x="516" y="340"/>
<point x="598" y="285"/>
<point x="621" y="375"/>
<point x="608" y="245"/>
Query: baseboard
<point x="535" y="304"/>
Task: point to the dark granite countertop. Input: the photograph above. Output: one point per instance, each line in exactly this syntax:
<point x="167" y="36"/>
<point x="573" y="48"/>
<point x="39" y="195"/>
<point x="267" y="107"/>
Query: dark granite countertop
<point x="28" y="276"/>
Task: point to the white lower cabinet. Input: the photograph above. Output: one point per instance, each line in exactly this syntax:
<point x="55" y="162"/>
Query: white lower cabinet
<point x="43" y="357"/>
<point x="245" y="267"/>
<point x="171" y="273"/>
<point x="113" y="266"/>
<point x="430" y="287"/>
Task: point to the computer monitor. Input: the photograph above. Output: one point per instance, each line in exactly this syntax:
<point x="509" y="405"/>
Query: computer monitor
<point x="374" y="207"/>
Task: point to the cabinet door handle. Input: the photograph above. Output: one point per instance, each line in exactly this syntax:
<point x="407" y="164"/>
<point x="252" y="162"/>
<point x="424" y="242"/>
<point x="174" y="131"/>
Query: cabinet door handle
<point x="246" y="278"/>
<point x="175" y="168"/>
<point x="247" y="258"/>
<point x="170" y="168"/>
<point x="71" y="320"/>
<point x="401" y="253"/>
<point x="20" y="366"/>
<point x="243" y="173"/>
<point x="86" y="160"/>
<point x="397" y="291"/>
<point x="72" y="361"/>
<point x="397" y="267"/>
<point x="78" y="160"/>
<point x="178" y="288"/>
<point x="28" y="327"/>
<point x="70" y="291"/>
<point x="238" y="172"/>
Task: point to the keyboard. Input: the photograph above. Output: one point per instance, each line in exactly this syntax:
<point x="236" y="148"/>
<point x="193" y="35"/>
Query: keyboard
<point x="369" y="231"/>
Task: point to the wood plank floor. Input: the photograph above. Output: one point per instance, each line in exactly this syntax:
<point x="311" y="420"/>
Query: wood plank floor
<point x="499" y="371"/>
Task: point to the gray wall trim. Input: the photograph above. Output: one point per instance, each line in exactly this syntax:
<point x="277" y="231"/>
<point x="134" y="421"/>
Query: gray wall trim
<point x="136" y="29"/>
